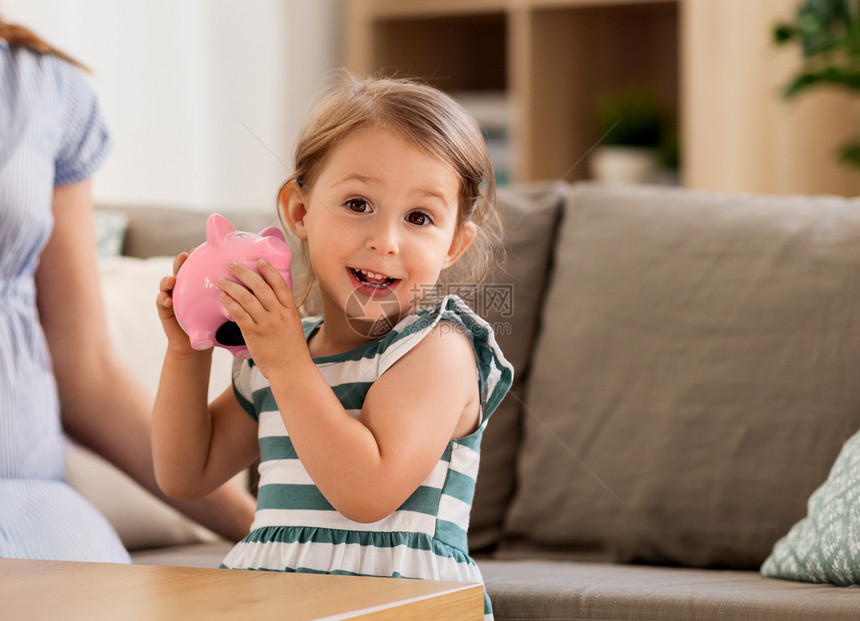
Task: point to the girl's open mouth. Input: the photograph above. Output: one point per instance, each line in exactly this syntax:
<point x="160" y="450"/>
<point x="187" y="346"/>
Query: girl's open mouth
<point x="371" y="283"/>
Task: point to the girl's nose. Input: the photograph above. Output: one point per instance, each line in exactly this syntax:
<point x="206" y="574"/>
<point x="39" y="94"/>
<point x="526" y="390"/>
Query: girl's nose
<point x="382" y="240"/>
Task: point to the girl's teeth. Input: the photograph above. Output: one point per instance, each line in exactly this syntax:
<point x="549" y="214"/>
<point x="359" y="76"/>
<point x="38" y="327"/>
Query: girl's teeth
<point x="373" y="275"/>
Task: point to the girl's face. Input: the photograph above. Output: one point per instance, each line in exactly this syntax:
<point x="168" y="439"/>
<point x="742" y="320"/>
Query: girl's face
<point x="381" y="224"/>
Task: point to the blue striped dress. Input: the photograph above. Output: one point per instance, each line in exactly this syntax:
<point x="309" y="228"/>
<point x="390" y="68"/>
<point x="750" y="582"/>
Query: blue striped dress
<point x="295" y="527"/>
<point x="51" y="133"/>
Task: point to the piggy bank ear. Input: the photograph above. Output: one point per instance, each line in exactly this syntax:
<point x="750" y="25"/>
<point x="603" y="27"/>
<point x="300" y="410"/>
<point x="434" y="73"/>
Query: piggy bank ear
<point x="217" y="228"/>
<point x="272" y="231"/>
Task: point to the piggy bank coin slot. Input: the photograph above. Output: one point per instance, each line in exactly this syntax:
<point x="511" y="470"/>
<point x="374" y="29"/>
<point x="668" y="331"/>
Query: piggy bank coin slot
<point x="229" y="334"/>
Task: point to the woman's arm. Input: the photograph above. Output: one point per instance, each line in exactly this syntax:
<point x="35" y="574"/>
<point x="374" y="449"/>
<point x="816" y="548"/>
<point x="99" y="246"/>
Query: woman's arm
<point x="104" y="407"/>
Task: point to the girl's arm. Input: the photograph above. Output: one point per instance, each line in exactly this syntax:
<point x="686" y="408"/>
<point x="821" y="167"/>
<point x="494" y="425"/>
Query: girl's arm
<point x="365" y="468"/>
<point x="196" y="447"/>
<point x="104" y="407"/>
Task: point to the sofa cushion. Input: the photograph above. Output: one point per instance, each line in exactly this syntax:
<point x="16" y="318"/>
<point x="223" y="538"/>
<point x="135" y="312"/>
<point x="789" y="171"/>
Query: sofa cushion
<point x="129" y="287"/>
<point x="540" y="590"/>
<point x="825" y="545"/>
<point x="695" y="377"/>
<point x="510" y="301"/>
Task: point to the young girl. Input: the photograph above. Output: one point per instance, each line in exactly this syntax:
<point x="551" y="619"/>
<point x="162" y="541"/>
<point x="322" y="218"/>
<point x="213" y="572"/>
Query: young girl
<point x="367" y="420"/>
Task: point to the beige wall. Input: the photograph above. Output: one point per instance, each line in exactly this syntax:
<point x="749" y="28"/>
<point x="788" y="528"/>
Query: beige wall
<point x="739" y="134"/>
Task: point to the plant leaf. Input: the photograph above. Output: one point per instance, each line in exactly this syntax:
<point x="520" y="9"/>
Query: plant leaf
<point x="849" y="153"/>
<point x="834" y="76"/>
<point x="783" y="33"/>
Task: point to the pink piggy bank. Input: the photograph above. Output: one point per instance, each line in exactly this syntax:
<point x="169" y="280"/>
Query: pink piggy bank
<point x="196" y="303"/>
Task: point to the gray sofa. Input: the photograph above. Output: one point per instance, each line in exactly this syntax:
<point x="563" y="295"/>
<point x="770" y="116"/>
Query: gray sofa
<point x="687" y="374"/>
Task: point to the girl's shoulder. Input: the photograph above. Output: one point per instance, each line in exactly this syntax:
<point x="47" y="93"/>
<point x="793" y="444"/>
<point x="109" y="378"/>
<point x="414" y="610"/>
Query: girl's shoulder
<point x="452" y="314"/>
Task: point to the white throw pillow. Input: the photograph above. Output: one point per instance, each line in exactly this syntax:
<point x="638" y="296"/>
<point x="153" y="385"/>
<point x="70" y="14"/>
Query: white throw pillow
<point x="129" y="289"/>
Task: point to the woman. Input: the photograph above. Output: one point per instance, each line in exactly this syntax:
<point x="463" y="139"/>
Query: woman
<point x="58" y="370"/>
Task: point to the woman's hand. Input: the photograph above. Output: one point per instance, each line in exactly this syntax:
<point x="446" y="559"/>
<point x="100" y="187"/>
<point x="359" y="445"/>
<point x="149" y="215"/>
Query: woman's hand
<point x="264" y="309"/>
<point x="177" y="339"/>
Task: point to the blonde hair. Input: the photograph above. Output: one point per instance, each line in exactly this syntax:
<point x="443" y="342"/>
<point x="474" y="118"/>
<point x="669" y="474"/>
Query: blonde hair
<point x="19" y="36"/>
<point x="433" y="121"/>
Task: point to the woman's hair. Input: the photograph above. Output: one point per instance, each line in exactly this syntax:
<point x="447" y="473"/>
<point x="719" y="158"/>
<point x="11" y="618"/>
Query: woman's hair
<point x="18" y="36"/>
<point x="430" y="119"/>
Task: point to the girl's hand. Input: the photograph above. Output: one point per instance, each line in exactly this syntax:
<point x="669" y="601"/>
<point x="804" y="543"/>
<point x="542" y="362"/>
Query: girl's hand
<point x="177" y="339"/>
<point x="266" y="313"/>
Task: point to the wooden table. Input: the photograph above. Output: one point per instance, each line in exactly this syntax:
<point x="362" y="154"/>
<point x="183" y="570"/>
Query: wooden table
<point x="36" y="590"/>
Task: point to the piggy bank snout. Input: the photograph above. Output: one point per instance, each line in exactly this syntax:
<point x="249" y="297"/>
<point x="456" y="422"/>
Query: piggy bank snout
<point x="201" y="339"/>
<point x="228" y="334"/>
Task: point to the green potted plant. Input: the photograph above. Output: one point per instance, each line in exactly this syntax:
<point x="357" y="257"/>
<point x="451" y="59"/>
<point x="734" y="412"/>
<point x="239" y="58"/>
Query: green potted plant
<point x="828" y="32"/>
<point x="635" y="137"/>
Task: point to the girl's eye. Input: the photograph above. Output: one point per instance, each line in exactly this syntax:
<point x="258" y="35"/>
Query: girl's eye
<point x="358" y="205"/>
<point x="418" y="218"/>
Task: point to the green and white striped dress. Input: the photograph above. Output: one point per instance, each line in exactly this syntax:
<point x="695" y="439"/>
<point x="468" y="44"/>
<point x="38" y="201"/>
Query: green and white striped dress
<point x="295" y="527"/>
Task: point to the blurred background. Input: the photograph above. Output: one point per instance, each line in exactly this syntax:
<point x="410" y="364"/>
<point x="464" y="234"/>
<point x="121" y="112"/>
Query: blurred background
<point x="205" y="97"/>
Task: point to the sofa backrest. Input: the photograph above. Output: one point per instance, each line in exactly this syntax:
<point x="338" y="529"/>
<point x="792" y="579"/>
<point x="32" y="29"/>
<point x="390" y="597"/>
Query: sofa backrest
<point x="695" y="376"/>
<point x="511" y="301"/>
<point x="149" y="237"/>
<point x="685" y="367"/>
<point x="162" y="231"/>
